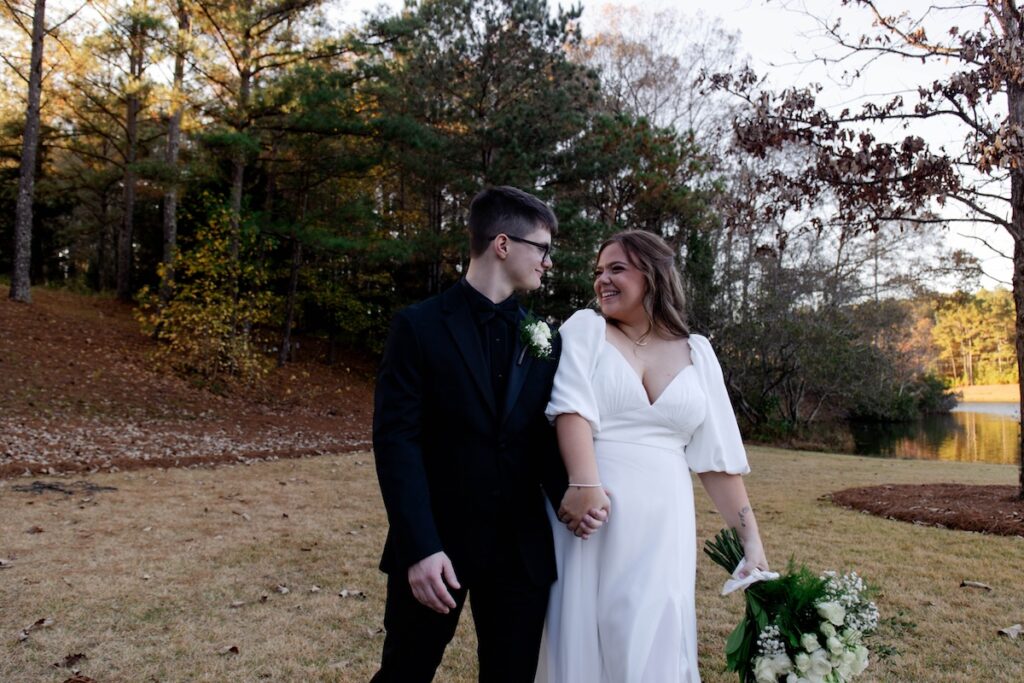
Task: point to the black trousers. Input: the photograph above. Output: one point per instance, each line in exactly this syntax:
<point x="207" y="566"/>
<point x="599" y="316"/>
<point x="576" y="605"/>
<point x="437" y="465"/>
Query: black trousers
<point x="508" y="611"/>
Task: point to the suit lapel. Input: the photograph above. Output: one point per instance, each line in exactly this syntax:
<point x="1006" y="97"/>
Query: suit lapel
<point x="459" y="321"/>
<point x="517" y="376"/>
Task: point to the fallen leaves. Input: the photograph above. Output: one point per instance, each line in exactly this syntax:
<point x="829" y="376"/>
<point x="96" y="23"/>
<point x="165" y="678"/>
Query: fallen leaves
<point x="71" y="661"/>
<point x="50" y="444"/>
<point x="45" y="622"/>
<point x="38" y="486"/>
<point x="1012" y="631"/>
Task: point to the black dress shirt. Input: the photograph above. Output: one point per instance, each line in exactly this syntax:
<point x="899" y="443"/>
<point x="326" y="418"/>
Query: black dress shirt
<point x="496" y="324"/>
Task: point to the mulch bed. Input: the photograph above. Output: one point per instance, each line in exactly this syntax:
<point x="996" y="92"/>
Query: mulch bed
<point x="985" y="509"/>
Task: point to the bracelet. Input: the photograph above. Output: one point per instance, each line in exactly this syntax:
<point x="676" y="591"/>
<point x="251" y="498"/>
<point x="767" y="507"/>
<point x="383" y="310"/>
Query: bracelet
<point x="586" y="486"/>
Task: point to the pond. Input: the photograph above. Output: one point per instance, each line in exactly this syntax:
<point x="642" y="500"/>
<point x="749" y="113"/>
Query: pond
<point x="973" y="432"/>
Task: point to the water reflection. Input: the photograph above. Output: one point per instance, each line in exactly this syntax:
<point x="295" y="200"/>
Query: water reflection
<point x="986" y="433"/>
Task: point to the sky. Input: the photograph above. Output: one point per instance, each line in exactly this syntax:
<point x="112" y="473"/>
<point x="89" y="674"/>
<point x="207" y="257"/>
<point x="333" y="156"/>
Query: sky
<point x="784" y="42"/>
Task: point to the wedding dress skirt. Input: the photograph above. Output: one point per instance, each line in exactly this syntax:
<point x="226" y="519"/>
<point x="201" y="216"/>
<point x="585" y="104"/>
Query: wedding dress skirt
<point x="622" y="609"/>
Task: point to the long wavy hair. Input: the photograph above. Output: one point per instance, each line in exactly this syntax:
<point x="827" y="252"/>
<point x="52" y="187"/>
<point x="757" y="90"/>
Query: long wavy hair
<point x="663" y="300"/>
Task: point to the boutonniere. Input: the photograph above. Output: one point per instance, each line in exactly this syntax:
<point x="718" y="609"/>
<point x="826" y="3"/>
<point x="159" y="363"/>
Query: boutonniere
<point x="536" y="336"/>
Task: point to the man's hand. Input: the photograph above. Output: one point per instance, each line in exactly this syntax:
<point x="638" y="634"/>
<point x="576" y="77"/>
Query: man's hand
<point x="428" y="577"/>
<point x="584" y="510"/>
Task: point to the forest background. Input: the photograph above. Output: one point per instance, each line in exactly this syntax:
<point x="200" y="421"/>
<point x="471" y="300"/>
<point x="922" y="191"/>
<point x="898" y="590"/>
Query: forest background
<point x="250" y="174"/>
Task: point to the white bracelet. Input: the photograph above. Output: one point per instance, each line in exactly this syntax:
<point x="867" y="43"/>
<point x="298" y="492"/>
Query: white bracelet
<point x="586" y="486"/>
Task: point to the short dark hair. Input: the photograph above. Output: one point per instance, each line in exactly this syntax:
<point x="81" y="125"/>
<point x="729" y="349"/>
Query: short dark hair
<point x="507" y="210"/>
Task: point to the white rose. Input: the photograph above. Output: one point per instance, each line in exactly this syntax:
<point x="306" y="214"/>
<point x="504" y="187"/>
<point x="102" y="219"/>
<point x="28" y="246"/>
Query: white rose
<point x="860" y="660"/>
<point x="540" y="337"/>
<point x="768" y="669"/>
<point x="819" y="667"/>
<point x="844" y="666"/>
<point x="851" y="636"/>
<point x="802" y="662"/>
<point x="835" y="646"/>
<point x="832" y="611"/>
<point x="828" y="629"/>
<point x="809" y="642"/>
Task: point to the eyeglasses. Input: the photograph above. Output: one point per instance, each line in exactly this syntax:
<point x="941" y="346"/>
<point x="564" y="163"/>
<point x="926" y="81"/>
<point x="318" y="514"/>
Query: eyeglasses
<point x="545" y="248"/>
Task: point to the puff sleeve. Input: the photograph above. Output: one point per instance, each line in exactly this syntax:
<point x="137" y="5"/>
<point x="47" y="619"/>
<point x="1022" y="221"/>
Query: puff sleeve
<point x="716" y="446"/>
<point x="573" y="391"/>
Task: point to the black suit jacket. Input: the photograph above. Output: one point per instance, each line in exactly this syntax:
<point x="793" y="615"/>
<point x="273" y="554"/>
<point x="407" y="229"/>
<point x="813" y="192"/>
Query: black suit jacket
<point x="454" y="474"/>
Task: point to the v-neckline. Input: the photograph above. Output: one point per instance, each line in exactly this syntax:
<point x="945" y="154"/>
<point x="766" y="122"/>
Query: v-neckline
<point x="639" y="378"/>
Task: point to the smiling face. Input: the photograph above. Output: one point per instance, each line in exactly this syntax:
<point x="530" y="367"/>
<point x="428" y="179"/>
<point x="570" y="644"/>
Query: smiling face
<point x="526" y="263"/>
<point x="619" y="285"/>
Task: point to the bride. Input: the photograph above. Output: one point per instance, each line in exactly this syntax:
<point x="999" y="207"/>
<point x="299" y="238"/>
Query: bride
<point x="638" y="402"/>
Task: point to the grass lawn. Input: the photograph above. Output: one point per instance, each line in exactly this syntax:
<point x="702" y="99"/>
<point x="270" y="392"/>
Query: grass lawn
<point x="158" y="579"/>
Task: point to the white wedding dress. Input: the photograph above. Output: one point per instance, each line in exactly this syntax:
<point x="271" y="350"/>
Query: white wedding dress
<point x="622" y="609"/>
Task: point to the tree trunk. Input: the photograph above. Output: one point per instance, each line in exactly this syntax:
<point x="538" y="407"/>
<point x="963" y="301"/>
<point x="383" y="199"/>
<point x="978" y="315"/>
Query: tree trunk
<point x="171" y="157"/>
<point x="1015" y="99"/>
<point x="435" y="221"/>
<point x="134" y="104"/>
<point x="106" y="253"/>
<point x="1017" y="192"/>
<point x="20" y="280"/>
<point x="238" y="158"/>
<point x="289" y="315"/>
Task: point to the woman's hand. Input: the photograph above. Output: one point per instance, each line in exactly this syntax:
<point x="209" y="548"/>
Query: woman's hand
<point x="753" y="553"/>
<point x="584" y="509"/>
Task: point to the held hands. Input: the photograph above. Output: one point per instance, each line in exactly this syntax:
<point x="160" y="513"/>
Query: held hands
<point x="585" y="509"/>
<point x="428" y="577"/>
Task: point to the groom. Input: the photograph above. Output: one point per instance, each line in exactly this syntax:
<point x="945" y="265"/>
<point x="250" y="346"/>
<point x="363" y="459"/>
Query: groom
<point x="462" y="448"/>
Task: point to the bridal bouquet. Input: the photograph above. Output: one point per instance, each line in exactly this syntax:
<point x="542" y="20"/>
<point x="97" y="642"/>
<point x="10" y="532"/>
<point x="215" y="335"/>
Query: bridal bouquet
<point x="798" y="628"/>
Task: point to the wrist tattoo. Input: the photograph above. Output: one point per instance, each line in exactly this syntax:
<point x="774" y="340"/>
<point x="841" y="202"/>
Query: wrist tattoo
<point x="743" y="516"/>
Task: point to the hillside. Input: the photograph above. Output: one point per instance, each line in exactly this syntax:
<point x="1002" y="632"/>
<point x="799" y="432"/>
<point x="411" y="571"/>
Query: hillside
<point x="78" y="392"/>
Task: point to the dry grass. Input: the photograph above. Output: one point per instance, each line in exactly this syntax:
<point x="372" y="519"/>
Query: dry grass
<point x="990" y="393"/>
<point x="206" y="538"/>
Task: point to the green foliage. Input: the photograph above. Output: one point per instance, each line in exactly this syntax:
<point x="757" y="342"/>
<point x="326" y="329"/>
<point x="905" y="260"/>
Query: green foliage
<point x="624" y="173"/>
<point x="787" y="602"/>
<point x="206" y="328"/>
<point x="797" y="605"/>
<point x="975" y="336"/>
<point x="896" y="402"/>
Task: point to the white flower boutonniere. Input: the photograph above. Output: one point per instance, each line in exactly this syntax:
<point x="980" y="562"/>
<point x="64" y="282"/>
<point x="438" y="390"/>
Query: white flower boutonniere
<point x="536" y="336"/>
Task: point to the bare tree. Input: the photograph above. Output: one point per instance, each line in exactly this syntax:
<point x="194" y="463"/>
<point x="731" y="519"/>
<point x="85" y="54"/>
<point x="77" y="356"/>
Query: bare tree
<point x="650" y="63"/>
<point x="873" y="180"/>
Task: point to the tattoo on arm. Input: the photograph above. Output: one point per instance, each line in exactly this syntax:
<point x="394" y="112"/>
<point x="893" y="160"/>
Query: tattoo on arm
<point x="743" y="514"/>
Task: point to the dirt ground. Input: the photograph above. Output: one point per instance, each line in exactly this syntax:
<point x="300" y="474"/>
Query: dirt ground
<point x="78" y="392"/>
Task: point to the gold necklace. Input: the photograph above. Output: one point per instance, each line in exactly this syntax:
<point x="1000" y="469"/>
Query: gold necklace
<point x="642" y="340"/>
